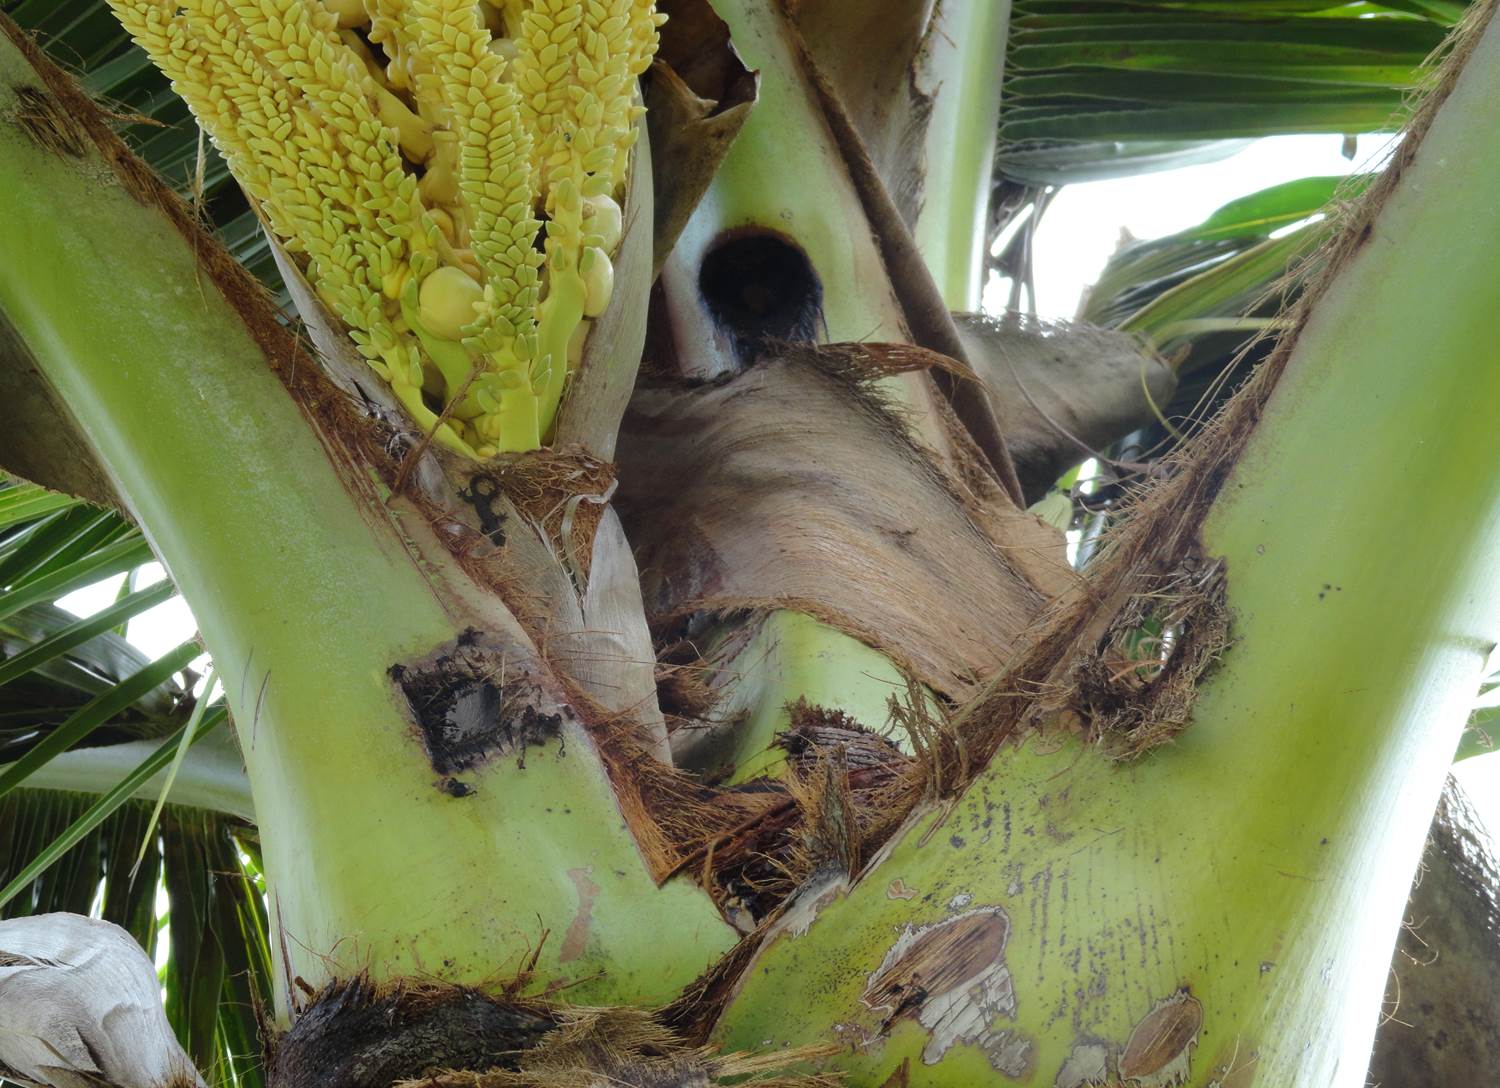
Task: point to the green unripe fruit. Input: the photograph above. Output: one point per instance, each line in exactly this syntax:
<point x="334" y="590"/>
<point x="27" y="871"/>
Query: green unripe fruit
<point x="446" y="302"/>
<point x="602" y="216"/>
<point x="598" y="281"/>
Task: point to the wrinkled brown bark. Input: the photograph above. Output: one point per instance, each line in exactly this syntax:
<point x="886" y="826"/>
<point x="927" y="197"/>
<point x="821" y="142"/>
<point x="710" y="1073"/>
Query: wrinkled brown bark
<point x="1443" y="999"/>
<point x="1062" y="392"/>
<point x="791" y="485"/>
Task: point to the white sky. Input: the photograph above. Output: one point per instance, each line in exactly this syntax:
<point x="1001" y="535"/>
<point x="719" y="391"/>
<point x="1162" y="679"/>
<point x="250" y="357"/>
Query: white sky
<point x="1080" y="230"/>
<point x="1083" y="225"/>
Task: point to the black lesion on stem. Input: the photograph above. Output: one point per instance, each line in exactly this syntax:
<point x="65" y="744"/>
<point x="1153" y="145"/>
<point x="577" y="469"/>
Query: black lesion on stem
<point x="469" y="707"/>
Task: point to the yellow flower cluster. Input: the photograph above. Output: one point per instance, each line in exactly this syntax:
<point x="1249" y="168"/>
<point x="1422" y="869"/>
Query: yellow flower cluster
<point x="412" y="153"/>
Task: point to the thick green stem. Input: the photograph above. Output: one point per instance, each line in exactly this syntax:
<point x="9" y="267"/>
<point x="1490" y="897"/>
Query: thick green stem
<point x="952" y="228"/>
<point x="1247" y="880"/>
<point x="307" y="593"/>
<point x="792" y="656"/>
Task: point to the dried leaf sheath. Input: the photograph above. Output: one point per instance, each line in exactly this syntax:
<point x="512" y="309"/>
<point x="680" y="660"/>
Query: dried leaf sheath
<point x="790" y="487"/>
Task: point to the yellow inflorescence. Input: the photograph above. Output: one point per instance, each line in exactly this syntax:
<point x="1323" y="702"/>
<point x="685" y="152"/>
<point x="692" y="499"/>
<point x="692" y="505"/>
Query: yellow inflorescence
<point x="412" y="153"/>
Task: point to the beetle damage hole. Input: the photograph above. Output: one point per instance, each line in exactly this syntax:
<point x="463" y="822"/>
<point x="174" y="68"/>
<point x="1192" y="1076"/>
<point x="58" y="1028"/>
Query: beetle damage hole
<point x="1159" y="1050"/>
<point x="759" y="286"/>
<point x="952" y="978"/>
<point x="470" y="706"/>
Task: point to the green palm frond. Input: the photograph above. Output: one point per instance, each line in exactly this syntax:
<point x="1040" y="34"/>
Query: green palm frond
<point x="1219" y="269"/>
<point x="88" y="723"/>
<point x="1482" y="737"/>
<point x="1103" y="89"/>
<point x="1206" y="297"/>
<point x="85" y="38"/>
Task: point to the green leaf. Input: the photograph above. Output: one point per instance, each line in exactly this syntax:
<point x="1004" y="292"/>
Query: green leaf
<point x="114" y="558"/>
<point x="1095" y="90"/>
<point x="1076" y="162"/>
<point x="1216" y="271"/>
<point x="40" y="549"/>
<point x="196" y="971"/>
<point x="98" y="711"/>
<point x="1230" y="288"/>
<point x="103" y="807"/>
<point x="130" y="897"/>
<point x="82" y="630"/>
<point x="73" y="679"/>
<point x="1201" y="120"/>
<point x="241" y="927"/>
<point x="1481" y="736"/>
<point x="27" y="502"/>
<point x="1272" y="208"/>
<point x="189" y="735"/>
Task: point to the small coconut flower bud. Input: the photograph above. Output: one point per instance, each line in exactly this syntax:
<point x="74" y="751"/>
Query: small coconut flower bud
<point x="602" y="217"/>
<point x="598" y="281"/>
<point x="445" y="224"/>
<point x="446" y="302"/>
<point x="576" y="343"/>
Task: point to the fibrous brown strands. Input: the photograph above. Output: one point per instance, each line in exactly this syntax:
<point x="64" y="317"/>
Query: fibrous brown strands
<point x="793" y="485"/>
<point x="38" y="114"/>
<point x="357" y="1034"/>
<point x="563" y="492"/>
<point x="628" y="1047"/>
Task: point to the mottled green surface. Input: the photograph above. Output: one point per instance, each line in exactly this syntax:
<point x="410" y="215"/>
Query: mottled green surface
<point x="305" y="600"/>
<point x="1262" y="859"/>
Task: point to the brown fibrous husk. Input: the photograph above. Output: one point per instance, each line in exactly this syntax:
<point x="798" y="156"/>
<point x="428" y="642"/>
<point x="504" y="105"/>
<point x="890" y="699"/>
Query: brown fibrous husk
<point x="563" y="492"/>
<point x="795" y="485"/>
<point x="356" y="1033"/>
<point x="630" y="1048"/>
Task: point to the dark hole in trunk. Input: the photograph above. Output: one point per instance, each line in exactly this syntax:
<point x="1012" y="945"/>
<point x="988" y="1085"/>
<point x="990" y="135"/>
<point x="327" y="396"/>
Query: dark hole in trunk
<point x="760" y="287"/>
